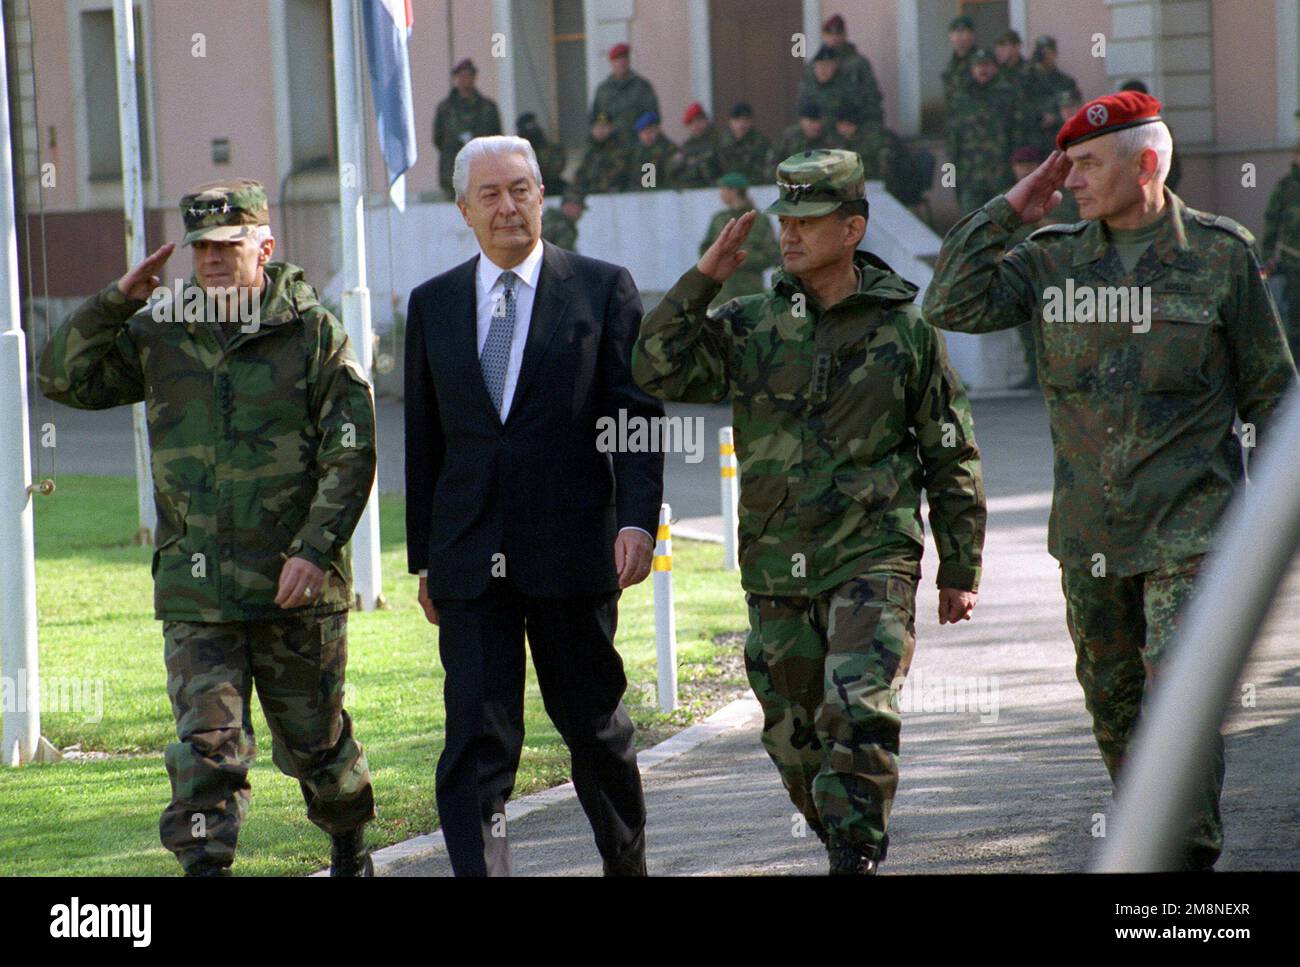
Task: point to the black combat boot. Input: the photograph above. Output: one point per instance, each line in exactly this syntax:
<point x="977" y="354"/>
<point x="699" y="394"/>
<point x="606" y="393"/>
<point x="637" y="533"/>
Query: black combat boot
<point x="849" y="860"/>
<point x="348" y="854"/>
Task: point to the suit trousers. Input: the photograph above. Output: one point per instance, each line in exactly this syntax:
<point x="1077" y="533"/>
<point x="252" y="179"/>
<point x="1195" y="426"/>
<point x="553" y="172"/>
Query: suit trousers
<point x="481" y="644"/>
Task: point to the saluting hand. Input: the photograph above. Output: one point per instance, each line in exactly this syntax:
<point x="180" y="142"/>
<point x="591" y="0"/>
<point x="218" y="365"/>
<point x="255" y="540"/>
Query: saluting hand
<point x="1037" y="193"/>
<point x="724" y="256"/>
<point x="140" y="282"/>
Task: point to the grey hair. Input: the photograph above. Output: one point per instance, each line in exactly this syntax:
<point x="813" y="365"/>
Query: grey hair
<point x="1132" y="141"/>
<point x="261" y="233"/>
<point x="496" y="144"/>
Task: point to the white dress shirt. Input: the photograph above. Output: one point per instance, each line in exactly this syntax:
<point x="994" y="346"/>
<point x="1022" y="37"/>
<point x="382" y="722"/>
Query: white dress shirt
<point x="489" y="290"/>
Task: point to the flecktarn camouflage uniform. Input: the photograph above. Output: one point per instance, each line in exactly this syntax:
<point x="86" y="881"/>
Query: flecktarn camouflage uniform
<point x="1146" y="458"/>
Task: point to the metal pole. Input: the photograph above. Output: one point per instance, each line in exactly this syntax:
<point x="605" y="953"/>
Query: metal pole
<point x="1254" y="546"/>
<point x="20" y="684"/>
<point x="665" y="618"/>
<point x="128" y="123"/>
<point x="367" y="581"/>
<point x="730" y="497"/>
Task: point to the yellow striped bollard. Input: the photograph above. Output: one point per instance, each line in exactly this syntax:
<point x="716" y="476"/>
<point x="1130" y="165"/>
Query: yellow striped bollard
<point x="665" y="619"/>
<point x="730" y="497"/>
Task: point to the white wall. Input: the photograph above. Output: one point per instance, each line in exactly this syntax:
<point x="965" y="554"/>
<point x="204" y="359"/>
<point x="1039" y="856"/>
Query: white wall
<point x="657" y="235"/>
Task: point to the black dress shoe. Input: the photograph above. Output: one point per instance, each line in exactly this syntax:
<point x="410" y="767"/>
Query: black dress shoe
<point x="207" y="868"/>
<point x="851" y="861"/>
<point x="349" y="856"/>
<point x="631" y="863"/>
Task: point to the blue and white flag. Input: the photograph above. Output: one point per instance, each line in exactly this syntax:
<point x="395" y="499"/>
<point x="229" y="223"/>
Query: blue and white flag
<point x="388" y="26"/>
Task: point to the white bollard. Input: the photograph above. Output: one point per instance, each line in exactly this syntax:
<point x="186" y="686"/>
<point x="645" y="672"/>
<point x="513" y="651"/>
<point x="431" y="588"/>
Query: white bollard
<point x="665" y="619"/>
<point x="730" y="497"/>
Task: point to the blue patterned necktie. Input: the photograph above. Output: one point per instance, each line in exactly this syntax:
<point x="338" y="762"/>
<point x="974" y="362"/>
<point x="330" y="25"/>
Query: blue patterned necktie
<point x="496" y="351"/>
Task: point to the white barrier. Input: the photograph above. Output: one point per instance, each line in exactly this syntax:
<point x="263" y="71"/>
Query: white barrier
<point x="656" y="235"/>
<point x="665" y="618"/>
<point x="730" y="497"/>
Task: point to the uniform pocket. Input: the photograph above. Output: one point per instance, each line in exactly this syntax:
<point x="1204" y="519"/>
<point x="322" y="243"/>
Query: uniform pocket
<point x="1175" y="351"/>
<point x="1068" y="358"/>
<point x="760" y="498"/>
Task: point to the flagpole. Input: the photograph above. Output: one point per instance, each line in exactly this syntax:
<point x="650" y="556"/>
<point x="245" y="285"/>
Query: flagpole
<point x="367" y="582"/>
<point x="20" y="686"/>
<point x="128" y="122"/>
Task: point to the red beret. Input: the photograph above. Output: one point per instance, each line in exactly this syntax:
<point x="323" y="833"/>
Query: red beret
<point x="619" y="50"/>
<point x="696" y="110"/>
<point x="1102" y="115"/>
<point x="833" y="25"/>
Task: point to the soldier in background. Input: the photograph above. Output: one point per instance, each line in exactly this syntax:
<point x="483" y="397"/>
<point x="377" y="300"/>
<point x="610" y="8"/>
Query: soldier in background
<point x="826" y="85"/>
<point x="262" y="438"/>
<point x="463" y="115"/>
<point x="1281" y="245"/>
<point x="764" y="253"/>
<point x="1047" y="83"/>
<point x="853" y="71"/>
<point x="696" y="162"/>
<point x="624" y="95"/>
<point x="807" y="134"/>
<point x="551" y="156"/>
<point x="607" y="164"/>
<point x="1015" y="80"/>
<point x="843" y="402"/>
<point x="956" y="78"/>
<point x="981" y="135"/>
<point x="560" y="225"/>
<point x="652" y="148"/>
<point x="956" y="74"/>
<point x="744" y="148"/>
<point x="1141" y="410"/>
<point x="870" y="144"/>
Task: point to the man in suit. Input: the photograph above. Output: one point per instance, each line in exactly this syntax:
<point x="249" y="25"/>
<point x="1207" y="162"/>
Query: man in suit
<point x="516" y="520"/>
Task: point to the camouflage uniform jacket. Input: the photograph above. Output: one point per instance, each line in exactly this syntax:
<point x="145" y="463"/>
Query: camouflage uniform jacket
<point x="456" y="122"/>
<point x="625" y="100"/>
<point x="860" y="78"/>
<point x="606" y="167"/>
<point x="259" y="446"/>
<point x="1282" y="225"/>
<point x="956" y="75"/>
<point x="558" y="230"/>
<point x="1142" y="422"/>
<point x="751" y="156"/>
<point x="841" y="418"/>
<point x="980" y="135"/>
<point x="1045" y="88"/>
<point x="551" y="160"/>
<point x="660" y="154"/>
<point x="696" y="163"/>
<point x="1024" y="125"/>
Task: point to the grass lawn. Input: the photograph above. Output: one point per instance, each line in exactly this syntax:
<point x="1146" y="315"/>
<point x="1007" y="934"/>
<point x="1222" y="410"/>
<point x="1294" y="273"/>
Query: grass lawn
<point x="99" y="816"/>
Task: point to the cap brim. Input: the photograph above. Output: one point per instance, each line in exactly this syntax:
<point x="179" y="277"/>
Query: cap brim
<point x="219" y="233"/>
<point x="801" y="209"/>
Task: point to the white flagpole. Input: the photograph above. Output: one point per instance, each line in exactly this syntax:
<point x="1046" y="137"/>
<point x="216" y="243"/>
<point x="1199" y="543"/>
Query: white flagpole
<point x="367" y="582"/>
<point x="20" y="686"/>
<point x="128" y="123"/>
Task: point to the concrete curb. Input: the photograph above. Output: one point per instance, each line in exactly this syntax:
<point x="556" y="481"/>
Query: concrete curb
<point x="725" y="719"/>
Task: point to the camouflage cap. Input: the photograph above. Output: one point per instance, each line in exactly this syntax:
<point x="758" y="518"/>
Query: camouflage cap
<point x="735" y="180"/>
<point x="224" y="211"/>
<point x="815" y="183"/>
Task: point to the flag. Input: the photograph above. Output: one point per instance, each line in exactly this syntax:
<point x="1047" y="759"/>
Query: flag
<point x="388" y="26"/>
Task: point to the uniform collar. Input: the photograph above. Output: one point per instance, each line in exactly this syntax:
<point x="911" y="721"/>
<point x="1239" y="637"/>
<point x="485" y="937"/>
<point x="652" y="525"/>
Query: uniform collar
<point x="1171" y="246"/>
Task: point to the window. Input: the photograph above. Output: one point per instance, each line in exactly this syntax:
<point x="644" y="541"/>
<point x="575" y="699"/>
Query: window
<point x="99" y="95"/>
<point x="310" y="34"/>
